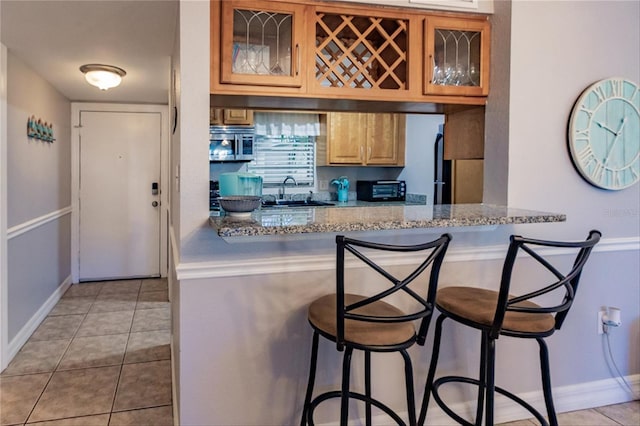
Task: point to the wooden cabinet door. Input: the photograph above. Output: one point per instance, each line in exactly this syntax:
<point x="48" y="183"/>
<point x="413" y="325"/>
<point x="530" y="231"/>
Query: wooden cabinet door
<point x="385" y="139"/>
<point x="464" y="134"/>
<point x="232" y="117"/>
<point x="238" y="117"/>
<point x="346" y="137"/>
<point x="215" y="117"/>
<point x="456" y="60"/>
<point x="262" y="43"/>
<point x="467" y="181"/>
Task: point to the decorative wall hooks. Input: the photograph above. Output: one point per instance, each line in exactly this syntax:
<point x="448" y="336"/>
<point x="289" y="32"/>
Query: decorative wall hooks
<point x="38" y="130"/>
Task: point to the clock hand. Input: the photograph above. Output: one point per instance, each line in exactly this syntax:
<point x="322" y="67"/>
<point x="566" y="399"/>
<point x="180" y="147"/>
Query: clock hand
<point x="606" y="158"/>
<point x="606" y="128"/>
<point x="624" y="119"/>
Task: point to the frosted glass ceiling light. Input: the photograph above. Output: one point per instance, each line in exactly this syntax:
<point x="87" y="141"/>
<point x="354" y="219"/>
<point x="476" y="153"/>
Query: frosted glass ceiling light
<point x="102" y="76"/>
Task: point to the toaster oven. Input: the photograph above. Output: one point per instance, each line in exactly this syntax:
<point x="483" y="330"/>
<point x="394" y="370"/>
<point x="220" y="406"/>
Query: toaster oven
<point x="381" y="190"/>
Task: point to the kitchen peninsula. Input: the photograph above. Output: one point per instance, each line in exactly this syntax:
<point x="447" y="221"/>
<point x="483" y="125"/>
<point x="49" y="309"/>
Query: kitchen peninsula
<point x="246" y="284"/>
<point x="388" y="217"/>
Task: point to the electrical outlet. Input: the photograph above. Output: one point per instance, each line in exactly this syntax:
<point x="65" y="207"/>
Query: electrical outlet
<point x="323" y="185"/>
<point x="601" y="315"/>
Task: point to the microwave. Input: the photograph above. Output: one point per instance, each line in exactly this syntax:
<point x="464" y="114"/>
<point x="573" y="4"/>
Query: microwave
<point x="227" y="143"/>
<point x="381" y="190"/>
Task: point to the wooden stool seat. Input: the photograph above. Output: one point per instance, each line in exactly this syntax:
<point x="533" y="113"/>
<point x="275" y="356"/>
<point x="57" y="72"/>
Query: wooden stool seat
<point x="479" y="305"/>
<point x="322" y="315"/>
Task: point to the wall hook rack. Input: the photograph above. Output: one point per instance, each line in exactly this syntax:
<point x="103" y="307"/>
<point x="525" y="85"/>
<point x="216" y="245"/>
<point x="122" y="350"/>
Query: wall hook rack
<point x="40" y="130"/>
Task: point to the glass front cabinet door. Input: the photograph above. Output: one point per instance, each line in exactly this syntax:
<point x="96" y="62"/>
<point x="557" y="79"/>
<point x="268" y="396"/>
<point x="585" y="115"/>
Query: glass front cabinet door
<point x="262" y="43"/>
<point x="457" y="56"/>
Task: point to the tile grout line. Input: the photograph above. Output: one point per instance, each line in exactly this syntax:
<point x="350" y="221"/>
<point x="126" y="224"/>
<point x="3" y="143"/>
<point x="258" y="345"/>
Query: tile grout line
<point x="596" y="409"/>
<point x="65" y="352"/>
<point x="124" y="355"/>
<point x="55" y="369"/>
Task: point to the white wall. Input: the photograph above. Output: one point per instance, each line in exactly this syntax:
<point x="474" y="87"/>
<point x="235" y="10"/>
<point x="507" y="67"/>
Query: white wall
<point x="194" y="116"/>
<point x="38" y="198"/>
<point x="3" y="207"/>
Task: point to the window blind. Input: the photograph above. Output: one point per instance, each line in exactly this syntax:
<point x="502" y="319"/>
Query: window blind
<point x="285" y="146"/>
<point x="277" y="157"/>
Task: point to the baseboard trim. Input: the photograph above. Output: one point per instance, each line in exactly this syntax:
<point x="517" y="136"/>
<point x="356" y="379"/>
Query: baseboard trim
<point x="27" y="226"/>
<point x="580" y="396"/>
<point x="23" y="335"/>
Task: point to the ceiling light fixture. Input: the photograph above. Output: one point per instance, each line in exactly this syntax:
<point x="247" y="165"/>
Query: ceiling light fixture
<point x="102" y="76"/>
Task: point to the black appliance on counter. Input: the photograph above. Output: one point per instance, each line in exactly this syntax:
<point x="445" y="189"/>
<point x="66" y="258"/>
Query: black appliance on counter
<point x="231" y="143"/>
<point x="381" y="190"/>
<point x="214" y="193"/>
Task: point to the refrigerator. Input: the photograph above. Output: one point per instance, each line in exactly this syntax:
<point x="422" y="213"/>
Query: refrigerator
<point x="456" y="181"/>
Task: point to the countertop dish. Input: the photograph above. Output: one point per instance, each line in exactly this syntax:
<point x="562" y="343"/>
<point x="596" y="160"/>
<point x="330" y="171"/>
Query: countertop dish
<point x="372" y="218"/>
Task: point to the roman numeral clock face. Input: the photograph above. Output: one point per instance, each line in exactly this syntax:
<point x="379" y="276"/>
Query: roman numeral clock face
<point x="604" y="134"/>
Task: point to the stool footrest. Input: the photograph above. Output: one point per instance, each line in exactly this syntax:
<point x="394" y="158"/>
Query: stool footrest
<point x="469" y="380"/>
<point x="338" y="394"/>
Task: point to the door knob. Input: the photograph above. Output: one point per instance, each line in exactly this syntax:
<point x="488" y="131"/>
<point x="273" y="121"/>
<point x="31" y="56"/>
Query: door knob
<point x="154" y="204"/>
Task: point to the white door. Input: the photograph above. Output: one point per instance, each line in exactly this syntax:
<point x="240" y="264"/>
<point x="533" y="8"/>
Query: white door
<point x="119" y="231"/>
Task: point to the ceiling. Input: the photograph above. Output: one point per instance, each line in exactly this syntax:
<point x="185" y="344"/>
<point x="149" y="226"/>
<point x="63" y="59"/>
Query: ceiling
<point x="56" y="37"/>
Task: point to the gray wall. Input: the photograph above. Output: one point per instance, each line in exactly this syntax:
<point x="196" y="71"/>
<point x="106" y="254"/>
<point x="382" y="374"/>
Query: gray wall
<point x="227" y="376"/>
<point x="39" y="183"/>
<point x="557" y="50"/>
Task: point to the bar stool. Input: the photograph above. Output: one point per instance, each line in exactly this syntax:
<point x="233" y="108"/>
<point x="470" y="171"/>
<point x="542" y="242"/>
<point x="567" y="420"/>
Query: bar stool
<point x="370" y="324"/>
<point x="498" y="313"/>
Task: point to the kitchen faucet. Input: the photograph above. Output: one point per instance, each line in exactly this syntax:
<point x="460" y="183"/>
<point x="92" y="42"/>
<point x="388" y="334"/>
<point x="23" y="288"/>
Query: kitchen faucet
<point x="283" y="185"/>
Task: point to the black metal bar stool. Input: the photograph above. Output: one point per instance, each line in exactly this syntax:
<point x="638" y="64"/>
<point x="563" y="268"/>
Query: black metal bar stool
<point x="370" y="324"/>
<point x="497" y="313"/>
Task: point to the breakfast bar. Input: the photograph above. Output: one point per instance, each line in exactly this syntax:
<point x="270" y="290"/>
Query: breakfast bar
<point x="285" y="221"/>
<point x="246" y="284"/>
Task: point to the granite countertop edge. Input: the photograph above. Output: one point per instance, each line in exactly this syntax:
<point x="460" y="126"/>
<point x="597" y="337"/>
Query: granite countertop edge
<point x="452" y="216"/>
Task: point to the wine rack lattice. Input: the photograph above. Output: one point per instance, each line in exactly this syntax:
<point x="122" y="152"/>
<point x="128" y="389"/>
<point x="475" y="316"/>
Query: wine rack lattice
<point x="361" y="52"/>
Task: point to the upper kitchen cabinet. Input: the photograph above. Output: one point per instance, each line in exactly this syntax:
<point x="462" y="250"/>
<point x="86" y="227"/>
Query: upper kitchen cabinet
<point x="456" y="60"/>
<point x="261" y="43"/>
<point x="362" y="139"/>
<point x="328" y="51"/>
<point x="364" y="54"/>
<point x="230" y="117"/>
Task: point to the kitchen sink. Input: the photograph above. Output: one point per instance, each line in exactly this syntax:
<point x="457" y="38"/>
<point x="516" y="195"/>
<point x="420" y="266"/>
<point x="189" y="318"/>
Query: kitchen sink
<point x="295" y="203"/>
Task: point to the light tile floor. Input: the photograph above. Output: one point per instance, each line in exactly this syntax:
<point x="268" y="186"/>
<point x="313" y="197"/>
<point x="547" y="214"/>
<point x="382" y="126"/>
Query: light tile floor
<point x="626" y="414"/>
<point x="100" y="358"/>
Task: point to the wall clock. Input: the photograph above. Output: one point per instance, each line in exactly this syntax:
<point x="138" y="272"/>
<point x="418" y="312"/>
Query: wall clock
<point x="604" y="134"/>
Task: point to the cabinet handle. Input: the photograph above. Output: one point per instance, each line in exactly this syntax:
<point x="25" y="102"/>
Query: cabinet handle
<point x="361" y="153"/>
<point x="368" y="153"/>
<point x="297" y="59"/>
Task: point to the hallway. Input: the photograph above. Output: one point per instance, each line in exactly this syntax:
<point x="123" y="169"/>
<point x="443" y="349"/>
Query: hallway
<point x="102" y="357"/>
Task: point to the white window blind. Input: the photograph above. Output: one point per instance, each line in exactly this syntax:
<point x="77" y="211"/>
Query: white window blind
<point x="285" y="146"/>
<point x="277" y="157"/>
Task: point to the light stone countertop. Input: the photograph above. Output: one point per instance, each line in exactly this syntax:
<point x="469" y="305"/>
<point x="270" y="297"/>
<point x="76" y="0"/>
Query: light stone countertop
<point x="298" y="220"/>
